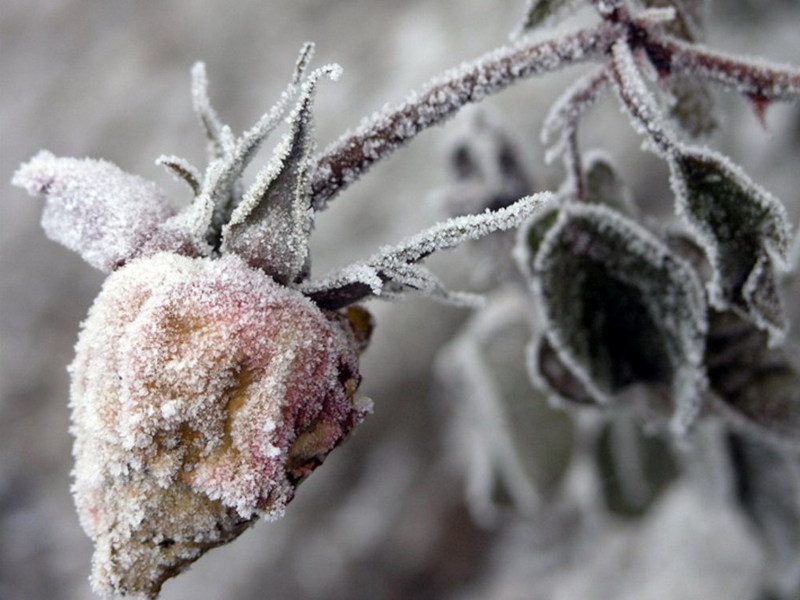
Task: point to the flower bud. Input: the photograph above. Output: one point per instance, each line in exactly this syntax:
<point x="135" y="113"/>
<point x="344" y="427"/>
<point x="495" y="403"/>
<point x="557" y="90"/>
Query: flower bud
<point x="203" y="393"/>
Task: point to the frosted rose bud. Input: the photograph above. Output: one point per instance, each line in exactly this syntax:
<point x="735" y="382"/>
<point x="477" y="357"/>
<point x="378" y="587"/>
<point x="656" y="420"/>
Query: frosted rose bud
<point x="202" y="393"/>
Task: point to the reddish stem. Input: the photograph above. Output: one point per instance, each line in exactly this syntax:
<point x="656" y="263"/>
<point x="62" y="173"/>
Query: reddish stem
<point x="383" y="133"/>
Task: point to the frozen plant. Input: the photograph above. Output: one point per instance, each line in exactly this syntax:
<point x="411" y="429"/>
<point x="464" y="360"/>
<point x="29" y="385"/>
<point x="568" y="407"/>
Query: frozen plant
<point x="214" y="373"/>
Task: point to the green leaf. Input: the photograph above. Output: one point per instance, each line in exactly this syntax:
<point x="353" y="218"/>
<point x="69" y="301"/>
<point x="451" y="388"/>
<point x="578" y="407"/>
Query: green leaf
<point x="604" y="185"/>
<point x="541" y="12"/>
<point x="620" y="308"/>
<point x="741" y="227"/>
<point x="756" y="388"/>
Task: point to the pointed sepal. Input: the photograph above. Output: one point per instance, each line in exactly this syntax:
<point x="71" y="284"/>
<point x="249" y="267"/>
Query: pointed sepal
<point x="270" y="227"/>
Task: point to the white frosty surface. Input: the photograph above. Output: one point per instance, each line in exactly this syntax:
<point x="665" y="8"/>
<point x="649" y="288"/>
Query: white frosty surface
<point x="110" y="79"/>
<point x="93" y="207"/>
<point x="271" y="226"/>
<point x="202" y="392"/>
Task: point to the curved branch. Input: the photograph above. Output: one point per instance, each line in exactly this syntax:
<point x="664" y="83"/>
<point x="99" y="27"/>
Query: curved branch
<point x="382" y="133"/>
<point x="757" y="79"/>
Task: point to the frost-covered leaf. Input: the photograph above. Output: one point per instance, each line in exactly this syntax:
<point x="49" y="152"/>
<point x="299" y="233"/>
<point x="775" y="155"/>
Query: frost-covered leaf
<point x="514" y="446"/>
<point x="559" y="129"/>
<point x="271" y="226"/>
<point x="767" y="486"/>
<point x="603" y="185"/>
<point x="531" y="236"/>
<point x="620" y="308"/>
<point x="639" y="102"/>
<point x="692" y="106"/>
<point x="756" y="388"/>
<point x="95" y="208"/>
<point x="183" y="170"/>
<point x="742" y="229"/>
<point x="219" y="136"/>
<point x="393" y="271"/>
<point x="634" y="467"/>
<point x="543" y="12"/>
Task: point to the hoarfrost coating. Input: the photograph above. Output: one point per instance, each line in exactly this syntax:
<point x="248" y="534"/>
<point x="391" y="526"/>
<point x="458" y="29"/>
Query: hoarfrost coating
<point x="202" y="394"/>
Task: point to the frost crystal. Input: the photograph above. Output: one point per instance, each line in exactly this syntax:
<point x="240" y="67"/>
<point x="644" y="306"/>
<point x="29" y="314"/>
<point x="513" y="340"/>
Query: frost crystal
<point x="202" y="394"/>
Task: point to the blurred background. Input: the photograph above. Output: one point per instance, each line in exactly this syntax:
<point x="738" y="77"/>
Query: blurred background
<point x="390" y="515"/>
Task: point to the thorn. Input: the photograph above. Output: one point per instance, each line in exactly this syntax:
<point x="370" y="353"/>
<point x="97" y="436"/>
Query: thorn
<point x="759" y="105"/>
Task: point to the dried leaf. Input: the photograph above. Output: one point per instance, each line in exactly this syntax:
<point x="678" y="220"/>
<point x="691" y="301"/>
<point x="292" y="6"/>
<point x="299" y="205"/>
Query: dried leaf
<point x="620" y="308"/>
<point x="95" y="208"/>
